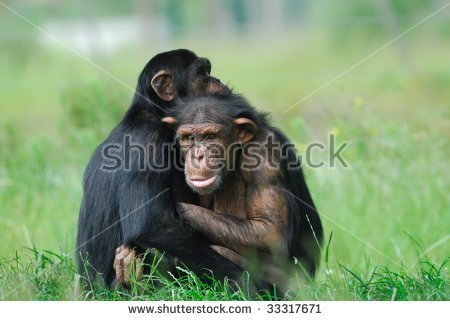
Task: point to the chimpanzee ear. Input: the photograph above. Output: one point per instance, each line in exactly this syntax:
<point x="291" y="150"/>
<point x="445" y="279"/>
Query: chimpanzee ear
<point x="169" y="121"/>
<point x="163" y="84"/>
<point x="246" y="129"/>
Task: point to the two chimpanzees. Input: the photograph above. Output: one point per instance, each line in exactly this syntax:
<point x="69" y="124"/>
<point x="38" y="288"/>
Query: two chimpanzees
<point x="135" y="208"/>
<point x="233" y="215"/>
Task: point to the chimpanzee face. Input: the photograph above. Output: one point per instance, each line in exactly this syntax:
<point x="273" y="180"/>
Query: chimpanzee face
<point x="208" y="140"/>
<point x="204" y="146"/>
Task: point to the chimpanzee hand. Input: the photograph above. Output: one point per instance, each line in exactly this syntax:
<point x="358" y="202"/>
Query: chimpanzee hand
<point x="127" y="262"/>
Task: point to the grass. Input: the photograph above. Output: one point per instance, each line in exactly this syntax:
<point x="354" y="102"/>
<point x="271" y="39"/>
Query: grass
<point x="45" y="275"/>
<point x="388" y="212"/>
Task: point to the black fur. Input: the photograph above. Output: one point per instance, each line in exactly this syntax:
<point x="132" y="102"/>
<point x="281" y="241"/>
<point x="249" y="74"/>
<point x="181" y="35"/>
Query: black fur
<point x="135" y="207"/>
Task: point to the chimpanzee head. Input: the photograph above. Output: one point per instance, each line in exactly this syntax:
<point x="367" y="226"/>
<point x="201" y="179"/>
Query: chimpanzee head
<point x="209" y="131"/>
<point x="176" y="73"/>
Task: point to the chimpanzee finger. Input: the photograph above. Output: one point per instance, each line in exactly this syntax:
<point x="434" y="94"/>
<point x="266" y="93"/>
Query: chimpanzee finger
<point x="120" y="249"/>
<point x="139" y="268"/>
<point x="118" y="267"/>
<point x="127" y="266"/>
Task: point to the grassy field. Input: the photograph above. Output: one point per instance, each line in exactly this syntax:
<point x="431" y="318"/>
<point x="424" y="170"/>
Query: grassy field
<point x="388" y="213"/>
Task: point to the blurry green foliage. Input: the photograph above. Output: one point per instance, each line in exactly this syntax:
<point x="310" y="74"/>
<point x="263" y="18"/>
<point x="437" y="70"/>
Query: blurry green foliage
<point x="94" y="106"/>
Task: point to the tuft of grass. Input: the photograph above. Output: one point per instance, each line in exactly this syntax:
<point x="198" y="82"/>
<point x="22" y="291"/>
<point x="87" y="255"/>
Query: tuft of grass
<point x="427" y="282"/>
<point x="37" y="275"/>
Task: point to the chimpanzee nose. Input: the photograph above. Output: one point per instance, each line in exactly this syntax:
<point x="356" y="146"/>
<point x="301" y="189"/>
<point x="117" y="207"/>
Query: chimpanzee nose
<point x="199" y="154"/>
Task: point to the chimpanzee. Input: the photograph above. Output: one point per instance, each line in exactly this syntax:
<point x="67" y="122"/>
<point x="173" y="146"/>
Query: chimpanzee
<point x="252" y="201"/>
<point x="134" y="207"/>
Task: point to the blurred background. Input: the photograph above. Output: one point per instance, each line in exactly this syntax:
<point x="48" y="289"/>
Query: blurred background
<point x="68" y="71"/>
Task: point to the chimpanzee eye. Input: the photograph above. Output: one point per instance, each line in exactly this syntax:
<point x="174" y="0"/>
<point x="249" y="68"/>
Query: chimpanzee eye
<point x="210" y="136"/>
<point x="187" y="137"/>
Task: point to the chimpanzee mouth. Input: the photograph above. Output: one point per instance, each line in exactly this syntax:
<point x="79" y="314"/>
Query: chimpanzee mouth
<point x="201" y="182"/>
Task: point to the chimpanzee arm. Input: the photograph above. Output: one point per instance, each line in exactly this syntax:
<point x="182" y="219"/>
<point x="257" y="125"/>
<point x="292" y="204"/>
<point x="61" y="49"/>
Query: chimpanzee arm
<point x="145" y="205"/>
<point x="264" y="228"/>
<point x="148" y="221"/>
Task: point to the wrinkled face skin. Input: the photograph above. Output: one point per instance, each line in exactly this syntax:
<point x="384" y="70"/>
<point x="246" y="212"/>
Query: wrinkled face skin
<point x="206" y="153"/>
<point x="209" y="140"/>
<point x="200" y="80"/>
